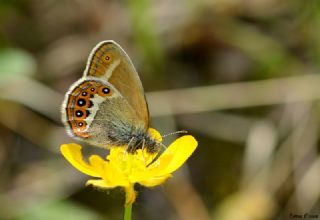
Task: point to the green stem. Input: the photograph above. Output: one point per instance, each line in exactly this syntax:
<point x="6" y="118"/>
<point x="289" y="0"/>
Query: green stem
<point x="127" y="212"/>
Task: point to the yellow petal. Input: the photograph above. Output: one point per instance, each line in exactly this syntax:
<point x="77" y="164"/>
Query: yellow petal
<point x="138" y="176"/>
<point x="100" y="184"/>
<point x="181" y="149"/>
<point x="113" y="174"/>
<point x="97" y="164"/>
<point x="154" y="181"/>
<point x="72" y="153"/>
<point x="130" y="194"/>
<point x="160" y="164"/>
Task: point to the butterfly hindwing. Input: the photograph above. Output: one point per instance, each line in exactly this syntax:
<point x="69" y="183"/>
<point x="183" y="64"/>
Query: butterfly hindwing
<point x="96" y="112"/>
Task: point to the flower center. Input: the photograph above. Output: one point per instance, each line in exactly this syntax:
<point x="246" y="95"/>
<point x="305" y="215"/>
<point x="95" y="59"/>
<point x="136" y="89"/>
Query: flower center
<point x="129" y="163"/>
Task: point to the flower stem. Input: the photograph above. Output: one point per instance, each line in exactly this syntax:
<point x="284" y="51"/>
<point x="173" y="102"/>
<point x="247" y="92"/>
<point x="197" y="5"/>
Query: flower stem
<point x="127" y="211"/>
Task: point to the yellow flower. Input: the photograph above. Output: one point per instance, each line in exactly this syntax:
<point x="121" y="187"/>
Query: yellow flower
<point x="123" y="169"/>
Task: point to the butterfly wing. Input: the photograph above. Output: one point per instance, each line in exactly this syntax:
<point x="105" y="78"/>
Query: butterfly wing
<point x="96" y="112"/>
<point x="109" y="62"/>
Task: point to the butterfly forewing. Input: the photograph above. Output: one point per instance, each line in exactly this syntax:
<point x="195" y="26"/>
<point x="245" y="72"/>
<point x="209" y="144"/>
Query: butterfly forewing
<point x="108" y="61"/>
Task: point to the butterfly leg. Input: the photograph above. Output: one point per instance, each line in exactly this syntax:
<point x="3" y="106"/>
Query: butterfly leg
<point x="163" y="146"/>
<point x="142" y="149"/>
<point x="128" y="147"/>
<point x="158" y="154"/>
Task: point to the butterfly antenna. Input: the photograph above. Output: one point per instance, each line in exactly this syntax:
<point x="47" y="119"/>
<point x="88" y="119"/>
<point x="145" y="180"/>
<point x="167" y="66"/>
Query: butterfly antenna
<point x="176" y="132"/>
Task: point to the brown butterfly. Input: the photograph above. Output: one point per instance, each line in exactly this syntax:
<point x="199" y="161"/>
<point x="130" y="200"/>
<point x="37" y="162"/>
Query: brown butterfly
<point x="107" y="106"/>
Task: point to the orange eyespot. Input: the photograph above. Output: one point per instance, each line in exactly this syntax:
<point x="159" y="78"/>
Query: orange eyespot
<point x="91" y="91"/>
<point x="104" y="91"/>
<point x="84" y="94"/>
<point x="80" y="113"/>
<point x="107" y="58"/>
<point x="79" y="127"/>
<point x="81" y="102"/>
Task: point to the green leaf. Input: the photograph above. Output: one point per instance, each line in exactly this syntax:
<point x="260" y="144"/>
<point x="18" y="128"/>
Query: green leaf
<point x="15" y="63"/>
<point x="59" y="210"/>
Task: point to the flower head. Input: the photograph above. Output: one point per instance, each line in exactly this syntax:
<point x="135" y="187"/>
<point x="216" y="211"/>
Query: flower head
<point x="124" y="169"/>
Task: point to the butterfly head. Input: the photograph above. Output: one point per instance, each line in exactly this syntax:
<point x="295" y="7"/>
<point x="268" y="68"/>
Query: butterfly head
<point x="143" y="140"/>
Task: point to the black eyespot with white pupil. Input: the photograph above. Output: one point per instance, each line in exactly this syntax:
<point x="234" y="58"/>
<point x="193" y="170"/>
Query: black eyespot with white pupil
<point x="84" y="93"/>
<point x="81" y="102"/>
<point x="92" y="89"/>
<point x="80" y="124"/>
<point x="79" y="113"/>
<point x="107" y="58"/>
<point x="106" y="90"/>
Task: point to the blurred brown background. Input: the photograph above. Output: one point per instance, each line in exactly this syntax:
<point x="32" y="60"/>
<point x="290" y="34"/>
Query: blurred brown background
<point x="242" y="76"/>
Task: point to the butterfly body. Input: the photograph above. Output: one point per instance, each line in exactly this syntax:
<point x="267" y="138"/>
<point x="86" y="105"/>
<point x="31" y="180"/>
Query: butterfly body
<point x="107" y="106"/>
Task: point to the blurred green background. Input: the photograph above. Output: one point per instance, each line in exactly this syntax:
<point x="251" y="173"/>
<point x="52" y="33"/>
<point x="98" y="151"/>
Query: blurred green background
<point x="242" y="76"/>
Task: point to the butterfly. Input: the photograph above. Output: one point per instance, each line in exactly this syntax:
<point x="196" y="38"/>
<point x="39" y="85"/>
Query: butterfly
<point x="107" y="106"/>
